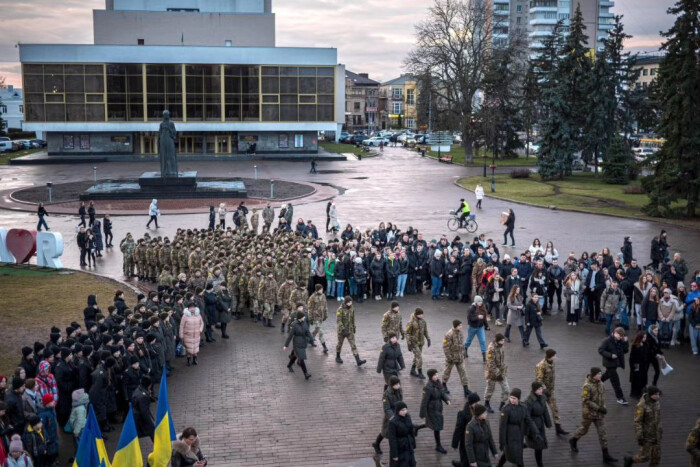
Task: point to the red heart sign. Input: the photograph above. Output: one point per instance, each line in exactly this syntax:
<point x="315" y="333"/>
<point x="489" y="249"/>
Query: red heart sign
<point x="22" y="244"/>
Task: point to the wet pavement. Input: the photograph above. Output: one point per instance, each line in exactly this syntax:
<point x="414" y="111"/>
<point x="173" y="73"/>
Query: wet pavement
<point x="249" y="411"/>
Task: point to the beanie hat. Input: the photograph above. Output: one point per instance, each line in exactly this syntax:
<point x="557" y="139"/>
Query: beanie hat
<point x="515" y="392"/>
<point x="300" y="315"/>
<point x="399" y="407"/>
<point x="110" y="362"/>
<point x="479" y="410"/>
<point x="478" y="299"/>
<point x="145" y="381"/>
<point x="595" y="370"/>
<point x="87" y="350"/>
<point x="432" y="372"/>
<point x="38" y="347"/>
<point x="47" y="353"/>
<point x="393" y="381"/>
<point x="499" y="337"/>
<point x="550" y="353"/>
<point x="536" y="385"/>
<point x="16" y="444"/>
<point x="65" y="352"/>
<point x="33" y="420"/>
<point x="47" y="399"/>
<point x="473" y="398"/>
<point x="456" y="323"/>
<point x="140" y="297"/>
<point x="70" y="330"/>
<point x="26" y="351"/>
<point x="17" y="383"/>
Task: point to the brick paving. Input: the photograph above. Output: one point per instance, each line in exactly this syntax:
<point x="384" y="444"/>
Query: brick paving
<point x="250" y="411"/>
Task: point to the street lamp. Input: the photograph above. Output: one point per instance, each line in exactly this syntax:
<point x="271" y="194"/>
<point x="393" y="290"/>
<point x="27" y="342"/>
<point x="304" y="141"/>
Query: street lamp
<point x="493" y="165"/>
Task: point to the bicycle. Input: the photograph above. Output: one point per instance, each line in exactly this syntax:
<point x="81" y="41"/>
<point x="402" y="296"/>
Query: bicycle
<point x="454" y="223"/>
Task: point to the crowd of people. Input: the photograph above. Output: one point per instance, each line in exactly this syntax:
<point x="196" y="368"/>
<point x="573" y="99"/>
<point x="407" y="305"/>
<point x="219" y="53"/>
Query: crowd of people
<point x="208" y="277"/>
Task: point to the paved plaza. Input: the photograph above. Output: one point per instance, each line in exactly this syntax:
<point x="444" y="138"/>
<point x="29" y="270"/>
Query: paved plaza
<point x="249" y="411"/>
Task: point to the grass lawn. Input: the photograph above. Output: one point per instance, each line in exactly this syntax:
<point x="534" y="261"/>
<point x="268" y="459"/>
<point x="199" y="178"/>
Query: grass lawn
<point x="457" y="154"/>
<point x="35" y="299"/>
<point x="580" y="192"/>
<point x="6" y="157"/>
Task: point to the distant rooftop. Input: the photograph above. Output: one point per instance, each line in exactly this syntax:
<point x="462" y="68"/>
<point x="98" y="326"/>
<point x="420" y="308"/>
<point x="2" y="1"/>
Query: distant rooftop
<point x="401" y="80"/>
<point x="361" y="79"/>
<point x="649" y="59"/>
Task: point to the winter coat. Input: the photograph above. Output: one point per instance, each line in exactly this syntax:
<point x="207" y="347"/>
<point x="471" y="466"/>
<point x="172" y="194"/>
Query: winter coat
<point x="514" y="426"/>
<point x="539" y="414"/>
<point x="389" y="401"/>
<point x="402" y="441"/>
<point x="140" y="402"/>
<point x="78" y="415"/>
<point x="184" y="455"/>
<point x="301" y="336"/>
<point x="479" y="443"/>
<point x="360" y="274"/>
<point x="67" y="381"/>
<point x="611" y="300"/>
<point x="223" y="306"/>
<point x="390" y="360"/>
<point x="97" y="230"/>
<point x="431" y="405"/>
<point x="168" y="328"/>
<point x="191" y="326"/>
<point x="98" y="392"/>
<point x="531" y="316"/>
<point x="392" y="268"/>
<point x="437" y="267"/>
<point x="515" y="315"/>
<point x="210" y="308"/>
<point x="464" y="416"/>
<point x="609" y="347"/>
<point x="377" y="269"/>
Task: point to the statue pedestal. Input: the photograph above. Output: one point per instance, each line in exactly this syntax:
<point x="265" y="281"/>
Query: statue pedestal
<point x="153" y="181"/>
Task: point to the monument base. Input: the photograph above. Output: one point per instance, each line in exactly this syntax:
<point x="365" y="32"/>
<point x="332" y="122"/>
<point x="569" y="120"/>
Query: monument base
<point x="184" y="180"/>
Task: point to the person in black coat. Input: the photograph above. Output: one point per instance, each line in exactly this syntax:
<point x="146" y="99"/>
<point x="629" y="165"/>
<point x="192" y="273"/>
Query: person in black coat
<point x="28" y="362"/>
<point x="434" y="394"/>
<point x="464" y="275"/>
<point x="98" y="393"/>
<point x="392" y="396"/>
<point x="107" y="228"/>
<point x="132" y="376"/>
<point x="437" y="273"/>
<point x="420" y="266"/>
<point x="377" y="271"/>
<point x="479" y="440"/>
<point x="140" y="402"/>
<point x="532" y="318"/>
<point x="301" y="335"/>
<point x="613" y="350"/>
<point x="402" y="437"/>
<point x="515" y="423"/>
<point x="91" y="214"/>
<point x="91" y="310"/>
<point x="82" y="212"/>
<point x="626" y="251"/>
<point x="212" y="218"/>
<point x="66" y="376"/>
<point x="510" y="227"/>
<point x="464" y="416"/>
<point x="82" y="242"/>
<point x="210" y="310"/>
<point x="639" y="364"/>
<point x="15" y="406"/>
<point x="595" y="285"/>
<point x="537" y="405"/>
<point x="390" y="358"/>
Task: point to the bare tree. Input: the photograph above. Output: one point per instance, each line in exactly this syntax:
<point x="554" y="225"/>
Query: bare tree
<point x="455" y="45"/>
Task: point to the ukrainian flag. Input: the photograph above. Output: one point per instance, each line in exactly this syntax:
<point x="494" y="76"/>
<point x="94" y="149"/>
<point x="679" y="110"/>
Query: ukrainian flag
<point x="91" y="449"/>
<point x="128" y="450"/>
<point x="165" y="430"/>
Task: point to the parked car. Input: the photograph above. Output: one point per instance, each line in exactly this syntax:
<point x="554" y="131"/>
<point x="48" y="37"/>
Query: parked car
<point x="24" y="144"/>
<point x="344" y="137"/>
<point x="374" y="141"/>
<point x="38" y="143"/>
<point x="6" y="144"/>
<point x="357" y="139"/>
<point x="404" y="136"/>
<point x="456" y="139"/>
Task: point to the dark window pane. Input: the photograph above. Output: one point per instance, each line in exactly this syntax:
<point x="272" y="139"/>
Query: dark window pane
<point x="94" y="98"/>
<point x="34" y="99"/>
<point x="194" y="111"/>
<point x="155" y="84"/>
<point x="33" y="69"/>
<point x="116" y="69"/>
<point x="233" y="107"/>
<point x="212" y="83"/>
<point x="133" y="69"/>
<point x="307" y="99"/>
<point x="288" y="71"/>
<point x="75" y="113"/>
<point x="53" y="68"/>
<point x="55" y="112"/>
<point x="251" y="112"/>
<point x="172" y="70"/>
<point x="307" y="85"/>
<point x="55" y="98"/>
<point x="267" y="99"/>
<point x="95" y="113"/>
<point x="94" y="70"/>
<point x="270" y="71"/>
<point x="116" y="84"/>
<point x="212" y="108"/>
<point x="94" y="83"/>
<point x="173" y="84"/>
<point x="270" y="112"/>
<point x="289" y="85"/>
<point x="73" y="69"/>
<point x="325" y="85"/>
<point x="53" y="83"/>
<point x="135" y="107"/>
<point x="75" y="83"/>
<point x="34" y="112"/>
<point x="155" y="70"/>
<point x="325" y="99"/>
<point x="307" y="71"/>
<point x="75" y="98"/>
<point x="232" y="70"/>
<point x="250" y="85"/>
<point x="325" y="113"/>
<point x="289" y="113"/>
<point x="134" y="84"/>
<point x="325" y="71"/>
<point x="194" y="85"/>
<point x="33" y="83"/>
<point x="270" y="85"/>
<point x="232" y="85"/>
<point x="289" y="99"/>
<point x="307" y="113"/>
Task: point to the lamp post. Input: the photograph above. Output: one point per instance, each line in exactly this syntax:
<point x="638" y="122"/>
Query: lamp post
<point x="255" y="168"/>
<point x="94" y="174"/>
<point x="272" y="188"/>
<point x="493" y="165"/>
<point x="49" y="185"/>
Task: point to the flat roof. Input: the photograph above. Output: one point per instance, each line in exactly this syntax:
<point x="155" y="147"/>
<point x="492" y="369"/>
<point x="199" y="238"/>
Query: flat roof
<point x="90" y="53"/>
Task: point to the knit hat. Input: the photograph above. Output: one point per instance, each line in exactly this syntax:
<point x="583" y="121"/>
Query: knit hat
<point x="499" y="337"/>
<point x="535" y="386"/>
<point x="133" y="359"/>
<point x="44" y="366"/>
<point x="432" y="372"/>
<point x="549" y="353"/>
<point x="87" y="350"/>
<point x="515" y="392"/>
<point x="17" y="383"/>
<point x="26" y="351"/>
<point x="399" y="407"/>
<point x="47" y="399"/>
<point x="77" y="394"/>
<point x="393" y="381"/>
<point x="456" y="323"/>
<point x="594" y="371"/>
<point x="473" y="398"/>
<point x="65" y="352"/>
<point x="110" y="362"/>
<point x="33" y="420"/>
<point x="478" y="299"/>
<point x="47" y="353"/>
<point x="16" y="444"/>
<point x="145" y="381"/>
<point x="300" y="315"/>
<point x="38" y="347"/>
<point x="479" y="410"/>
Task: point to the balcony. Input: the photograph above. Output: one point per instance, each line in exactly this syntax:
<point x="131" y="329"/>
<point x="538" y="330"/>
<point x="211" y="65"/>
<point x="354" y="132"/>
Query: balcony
<point x="538" y="34"/>
<point x="606" y="3"/>
<point x="543" y="21"/>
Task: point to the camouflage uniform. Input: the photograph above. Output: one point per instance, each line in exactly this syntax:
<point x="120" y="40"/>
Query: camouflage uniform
<point x="453" y="346"/>
<point x="233" y="289"/>
<point x="268" y="216"/>
<point x="140" y="258"/>
<point x="267" y="296"/>
<point x="345" y="317"/>
<point x="165" y="279"/>
<point x="303" y="271"/>
<point x="593" y="398"/>
<point x="647" y="427"/>
<point x="194" y="261"/>
<point x="417" y="334"/>
<point x="298" y="295"/>
<point x="496" y="372"/>
<point x="692" y="444"/>
<point x="127" y="247"/>
<point x="544" y="373"/>
<point x="391" y="322"/>
<point x="318" y="313"/>
<point x="174" y="265"/>
<point x="182" y="256"/>
<point x="254" y="220"/>
<point x="152" y="261"/>
<point x="243" y="291"/>
<point x="253" y="284"/>
<point x="165" y="256"/>
<point x="283" y="298"/>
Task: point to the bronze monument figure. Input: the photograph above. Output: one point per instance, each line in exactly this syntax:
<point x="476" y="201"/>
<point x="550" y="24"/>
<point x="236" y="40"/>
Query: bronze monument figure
<point x="166" y="143"/>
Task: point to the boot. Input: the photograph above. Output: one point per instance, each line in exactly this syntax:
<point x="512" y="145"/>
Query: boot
<point x="269" y="323"/>
<point x="290" y="366"/>
<point x="224" y="335"/>
<point x="572" y="443"/>
<point x="500" y="407"/>
<point x="194" y="361"/>
<point x="413" y="371"/>
<point x="358" y="361"/>
<point x="607" y="458"/>
<point x="440" y="449"/>
<point x="628" y="461"/>
<point x="559" y="430"/>
<point x="307" y="375"/>
<point x="444" y="385"/>
<point x="282" y="327"/>
<point x="488" y="406"/>
<point x="325" y="349"/>
<point x="420" y="373"/>
<point x="466" y="390"/>
<point x="189" y="361"/>
<point x="375" y="445"/>
<point x="483" y="356"/>
<point x="337" y="358"/>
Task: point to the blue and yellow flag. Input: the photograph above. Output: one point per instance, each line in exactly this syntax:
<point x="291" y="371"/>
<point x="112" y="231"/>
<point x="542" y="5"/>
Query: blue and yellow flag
<point x="91" y="449"/>
<point x="128" y="450"/>
<point x="165" y="430"/>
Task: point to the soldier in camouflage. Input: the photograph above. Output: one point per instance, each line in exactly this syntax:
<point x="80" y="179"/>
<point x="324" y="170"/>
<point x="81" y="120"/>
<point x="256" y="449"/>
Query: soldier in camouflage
<point x="127" y="247"/>
<point x="267" y="298"/>
<point x="544" y="373"/>
<point x="496" y="372"/>
<point x="647" y="427"/>
<point x="195" y="259"/>
<point x="268" y="216"/>
<point x="165" y="279"/>
<point x="318" y="313"/>
<point x="183" y="256"/>
<point x="165" y="255"/>
<point x="254" y="221"/>
<point x="416" y="336"/>
<point x="391" y="322"/>
<point x="345" y="317"/>
<point x="253" y="284"/>
<point x="594" y="410"/>
<point x="140" y="259"/>
<point x="692" y="444"/>
<point x="283" y="298"/>
<point x="298" y="295"/>
<point x="453" y="347"/>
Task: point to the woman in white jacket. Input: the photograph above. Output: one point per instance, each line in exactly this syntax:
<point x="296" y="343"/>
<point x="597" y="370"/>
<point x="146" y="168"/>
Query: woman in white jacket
<point x="153" y="213"/>
<point x="222" y="216"/>
<point x="479" y="192"/>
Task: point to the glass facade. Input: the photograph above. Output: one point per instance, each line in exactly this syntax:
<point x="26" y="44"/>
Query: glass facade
<point x="200" y="93"/>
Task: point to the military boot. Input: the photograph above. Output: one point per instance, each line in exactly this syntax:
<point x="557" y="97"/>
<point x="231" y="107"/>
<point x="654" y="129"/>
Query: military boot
<point x="488" y="406"/>
<point x="483" y="356"/>
<point x="420" y="373"/>
<point x="413" y="371"/>
<point x="560" y="430"/>
<point x="325" y="349"/>
<point x="282" y="327"/>
<point x="337" y="358"/>
<point x="607" y="458"/>
<point x="572" y="443"/>
<point x="466" y="390"/>
<point x="358" y="361"/>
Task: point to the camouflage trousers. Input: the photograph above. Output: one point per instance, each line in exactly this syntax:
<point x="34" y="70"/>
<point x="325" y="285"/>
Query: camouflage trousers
<point x="316" y="328"/>
<point x="418" y="356"/>
<point x="254" y="306"/>
<point x="491" y="386"/>
<point x="141" y="269"/>
<point x="286" y="314"/>
<point x="552" y="402"/>
<point x="128" y="267"/>
<point x="648" y="453"/>
<point x="460" y="369"/>
<point x="599" y="425"/>
<point x="341" y="338"/>
<point x="268" y="310"/>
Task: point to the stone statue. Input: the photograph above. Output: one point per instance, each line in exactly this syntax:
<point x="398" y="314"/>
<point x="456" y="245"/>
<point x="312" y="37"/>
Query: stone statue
<point x="166" y="143"/>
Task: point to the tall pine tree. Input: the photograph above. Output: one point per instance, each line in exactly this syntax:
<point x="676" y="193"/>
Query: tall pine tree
<point x="677" y="172"/>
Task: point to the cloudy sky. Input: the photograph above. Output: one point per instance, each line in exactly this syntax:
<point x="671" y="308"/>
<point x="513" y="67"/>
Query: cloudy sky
<point x="371" y="36"/>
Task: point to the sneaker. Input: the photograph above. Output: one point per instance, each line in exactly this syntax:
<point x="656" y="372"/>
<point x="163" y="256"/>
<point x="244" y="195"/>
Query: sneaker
<point x="504" y="244"/>
<point x="622" y="401"/>
<point x="574" y="324"/>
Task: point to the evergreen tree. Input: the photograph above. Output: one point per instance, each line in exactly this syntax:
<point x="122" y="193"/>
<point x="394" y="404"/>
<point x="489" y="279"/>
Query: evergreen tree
<point x="677" y="172"/>
<point x="617" y="162"/>
<point x="556" y="143"/>
<point x="529" y="105"/>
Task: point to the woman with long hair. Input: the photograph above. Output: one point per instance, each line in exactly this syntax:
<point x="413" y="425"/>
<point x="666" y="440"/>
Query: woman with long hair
<point x="573" y="294"/>
<point x="550" y="253"/>
<point x="650" y="308"/>
<point x="515" y="312"/>
<point x="639" y="292"/>
<point x="536" y="248"/>
<point x="639" y="364"/>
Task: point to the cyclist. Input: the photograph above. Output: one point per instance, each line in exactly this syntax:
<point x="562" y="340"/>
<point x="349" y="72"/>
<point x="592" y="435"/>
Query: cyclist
<point x="464" y="210"/>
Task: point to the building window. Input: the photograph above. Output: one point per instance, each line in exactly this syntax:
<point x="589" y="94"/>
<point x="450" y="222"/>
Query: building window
<point x="125" y="92"/>
<point x="21" y="109"/>
<point x="242" y="93"/>
<point x="564" y="16"/>
<point x="164" y="91"/>
<point x="517" y="20"/>
<point x="410" y="97"/>
<point x="652" y="72"/>
<point x="356" y="107"/>
<point x="298" y="141"/>
<point x="3" y="109"/>
<point x="645" y="72"/>
<point x="410" y="123"/>
<point x="140" y="42"/>
<point x="228" y="43"/>
<point x="398" y="93"/>
<point x="519" y="8"/>
<point x="203" y="92"/>
<point x="397" y="108"/>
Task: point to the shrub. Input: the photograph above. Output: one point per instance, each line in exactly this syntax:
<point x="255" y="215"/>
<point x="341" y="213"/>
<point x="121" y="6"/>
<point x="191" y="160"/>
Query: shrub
<point x="634" y="189"/>
<point x="520" y="173"/>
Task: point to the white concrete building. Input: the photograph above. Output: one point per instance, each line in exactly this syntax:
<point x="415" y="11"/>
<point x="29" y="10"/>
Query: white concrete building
<point x="11" y="108"/>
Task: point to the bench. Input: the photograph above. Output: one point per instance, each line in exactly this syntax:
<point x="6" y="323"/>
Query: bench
<point x="446" y="159"/>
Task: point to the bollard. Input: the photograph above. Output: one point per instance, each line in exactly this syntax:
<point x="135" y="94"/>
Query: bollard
<point x="255" y="167"/>
<point x="49" y="185"/>
<point x="272" y="188"/>
<point x="94" y="174"/>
